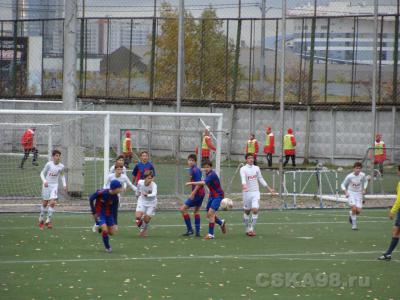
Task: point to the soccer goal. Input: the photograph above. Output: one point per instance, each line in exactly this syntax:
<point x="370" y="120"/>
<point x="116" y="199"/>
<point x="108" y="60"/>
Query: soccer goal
<point x="91" y="140"/>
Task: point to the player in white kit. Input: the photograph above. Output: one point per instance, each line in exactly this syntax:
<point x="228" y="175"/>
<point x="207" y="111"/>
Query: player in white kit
<point x="147" y="202"/>
<point x="118" y="162"/>
<point x="251" y="175"/>
<point x="50" y="174"/>
<point x="355" y="186"/>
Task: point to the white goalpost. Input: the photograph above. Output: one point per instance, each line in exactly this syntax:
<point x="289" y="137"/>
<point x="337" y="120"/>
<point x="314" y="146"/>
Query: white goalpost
<point x="90" y="141"/>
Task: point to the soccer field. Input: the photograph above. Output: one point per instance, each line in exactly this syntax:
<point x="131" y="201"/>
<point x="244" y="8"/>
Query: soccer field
<point x="306" y="254"/>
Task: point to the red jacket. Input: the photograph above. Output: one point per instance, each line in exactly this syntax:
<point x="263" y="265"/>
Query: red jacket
<point x="291" y="151"/>
<point x="206" y="146"/>
<point x="271" y="147"/>
<point x="255" y="147"/>
<point x="27" y="139"/>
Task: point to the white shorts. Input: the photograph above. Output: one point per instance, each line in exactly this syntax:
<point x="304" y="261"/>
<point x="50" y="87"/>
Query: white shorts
<point x="50" y="192"/>
<point x="148" y="207"/>
<point x="251" y="200"/>
<point x="355" y="199"/>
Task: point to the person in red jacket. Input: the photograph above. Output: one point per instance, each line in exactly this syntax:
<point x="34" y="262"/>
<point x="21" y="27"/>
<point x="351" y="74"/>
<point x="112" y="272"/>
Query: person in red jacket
<point x="127" y="149"/>
<point x="379" y="153"/>
<point x="252" y="147"/>
<point x="289" y="147"/>
<point x="269" y="147"/>
<point x="28" y="143"/>
<point x="206" y="146"/>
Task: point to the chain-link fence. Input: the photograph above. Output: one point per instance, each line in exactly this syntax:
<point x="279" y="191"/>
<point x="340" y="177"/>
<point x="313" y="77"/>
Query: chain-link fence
<point x="232" y="51"/>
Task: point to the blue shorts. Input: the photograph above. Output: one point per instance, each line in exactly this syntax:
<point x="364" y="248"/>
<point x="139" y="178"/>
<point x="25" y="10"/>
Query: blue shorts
<point x="213" y="203"/>
<point x="108" y="220"/>
<point x="196" y="202"/>
<point x="397" y="222"/>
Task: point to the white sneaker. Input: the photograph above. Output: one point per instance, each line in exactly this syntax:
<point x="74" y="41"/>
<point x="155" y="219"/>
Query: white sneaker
<point x="95" y="228"/>
<point x="354" y="227"/>
<point x="209" y="237"/>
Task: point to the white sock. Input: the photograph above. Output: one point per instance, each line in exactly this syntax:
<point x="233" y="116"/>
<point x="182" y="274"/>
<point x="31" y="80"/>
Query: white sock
<point x="254" y="219"/>
<point x="50" y="214"/>
<point x="354" y="219"/>
<point x="42" y="213"/>
<point x="145" y="225"/>
<point x="246" y="221"/>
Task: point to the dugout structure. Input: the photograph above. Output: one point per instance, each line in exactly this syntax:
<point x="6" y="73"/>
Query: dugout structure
<point x="90" y="141"/>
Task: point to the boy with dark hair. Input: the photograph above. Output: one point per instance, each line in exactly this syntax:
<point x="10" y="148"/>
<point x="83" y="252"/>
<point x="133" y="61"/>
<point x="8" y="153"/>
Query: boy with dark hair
<point x="195" y="199"/>
<point x="216" y="194"/>
<point x="141" y="167"/>
<point x="50" y="174"/>
<point x="104" y="204"/>
<point x="355" y="186"/>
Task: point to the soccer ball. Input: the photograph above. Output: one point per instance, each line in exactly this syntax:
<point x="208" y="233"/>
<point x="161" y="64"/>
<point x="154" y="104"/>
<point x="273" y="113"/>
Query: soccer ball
<point x="226" y="204"/>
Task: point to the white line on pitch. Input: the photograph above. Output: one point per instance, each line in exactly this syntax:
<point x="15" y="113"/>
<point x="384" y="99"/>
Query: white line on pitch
<point x="191" y="257"/>
<point x="182" y="225"/>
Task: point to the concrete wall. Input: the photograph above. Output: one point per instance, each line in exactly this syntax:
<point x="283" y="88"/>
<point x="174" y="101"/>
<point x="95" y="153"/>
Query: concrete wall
<point x="337" y="136"/>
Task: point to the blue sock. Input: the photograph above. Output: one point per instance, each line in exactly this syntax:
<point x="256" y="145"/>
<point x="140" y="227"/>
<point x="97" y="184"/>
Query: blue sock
<point x="393" y="244"/>
<point x="197" y="222"/>
<point x="106" y="239"/>
<point x="218" y="221"/>
<point x="188" y="223"/>
<point x="211" y="228"/>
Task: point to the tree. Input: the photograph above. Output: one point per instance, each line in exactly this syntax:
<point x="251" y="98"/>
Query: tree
<point x="208" y="59"/>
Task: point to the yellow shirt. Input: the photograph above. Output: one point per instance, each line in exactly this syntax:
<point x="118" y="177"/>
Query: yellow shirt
<point x="396" y="205"/>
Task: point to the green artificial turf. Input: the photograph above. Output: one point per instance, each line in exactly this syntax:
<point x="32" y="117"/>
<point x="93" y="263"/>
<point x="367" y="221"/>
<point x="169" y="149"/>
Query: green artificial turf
<point x="331" y="261"/>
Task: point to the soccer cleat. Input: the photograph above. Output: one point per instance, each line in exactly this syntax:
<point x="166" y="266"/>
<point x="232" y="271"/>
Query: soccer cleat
<point x="209" y="237"/>
<point x="354" y="227"/>
<point x="138" y="222"/>
<point x="35" y="163"/>
<point x="384" y="256"/>
<point x="49" y="225"/>
<point x="109" y="250"/>
<point x="188" y="233"/>
<point x="95" y="228"/>
<point x="223" y="227"/>
<point x="41" y="225"/>
<point x="198" y="234"/>
<point x="251" y="233"/>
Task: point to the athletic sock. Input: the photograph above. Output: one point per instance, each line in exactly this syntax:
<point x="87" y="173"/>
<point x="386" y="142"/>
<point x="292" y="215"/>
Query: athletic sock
<point x="197" y="222"/>
<point x="106" y="239"/>
<point x="50" y="213"/>
<point x="254" y="219"/>
<point x="42" y="213"/>
<point x="188" y="223"/>
<point x="246" y="220"/>
<point x="218" y="221"/>
<point x="354" y="220"/>
<point x="211" y="228"/>
<point x="393" y="244"/>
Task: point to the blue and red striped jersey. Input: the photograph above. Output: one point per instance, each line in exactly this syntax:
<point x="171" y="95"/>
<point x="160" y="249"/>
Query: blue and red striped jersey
<point x="103" y="203"/>
<point x="195" y="175"/>
<point x="140" y="168"/>
<point x="212" y="181"/>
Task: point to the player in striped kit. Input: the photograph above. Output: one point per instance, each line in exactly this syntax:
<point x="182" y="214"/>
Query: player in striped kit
<point x="355" y="186"/>
<point x="250" y="176"/>
<point x="50" y="174"/>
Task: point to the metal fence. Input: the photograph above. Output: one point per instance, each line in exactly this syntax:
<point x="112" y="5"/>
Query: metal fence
<point x="328" y="55"/>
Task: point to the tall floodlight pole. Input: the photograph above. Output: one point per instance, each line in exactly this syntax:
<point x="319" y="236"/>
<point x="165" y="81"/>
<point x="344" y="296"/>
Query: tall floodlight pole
<point x="282" y="94"/>
<point x="181" y="56"/>
<point x="262" y="58"/>
<point x="374" y="73"/>
<point x="70" y="55"/>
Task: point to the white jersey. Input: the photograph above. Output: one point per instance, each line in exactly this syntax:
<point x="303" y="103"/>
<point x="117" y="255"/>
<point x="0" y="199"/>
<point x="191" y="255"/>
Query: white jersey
<point x="355" y="183"/>
<point x="123" y="179"/>
<point x="51" y="172"/>
<point x="251" y="175"/>
<point x="112" y="169"/>
<point x="150" y="190"/>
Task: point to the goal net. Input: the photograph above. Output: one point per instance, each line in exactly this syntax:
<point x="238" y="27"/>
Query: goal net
<point x="90" y="141"/>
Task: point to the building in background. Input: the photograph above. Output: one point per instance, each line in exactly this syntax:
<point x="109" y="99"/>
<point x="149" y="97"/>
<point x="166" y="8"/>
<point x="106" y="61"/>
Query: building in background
<point x="349" y="38"/>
